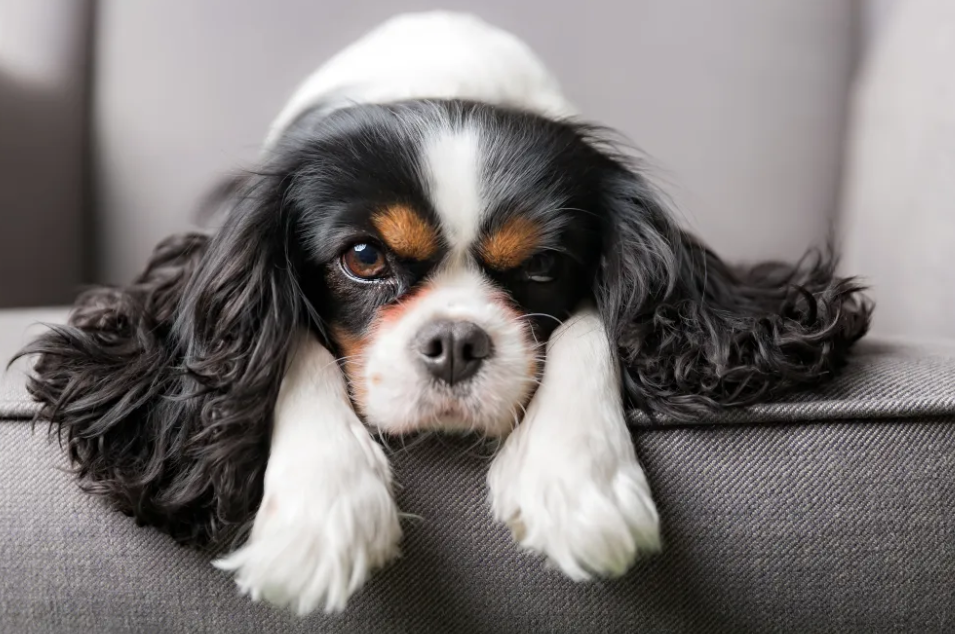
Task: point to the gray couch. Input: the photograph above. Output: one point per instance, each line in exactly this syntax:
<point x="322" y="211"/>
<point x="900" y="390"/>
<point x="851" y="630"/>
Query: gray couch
<point x="831" y="513"/>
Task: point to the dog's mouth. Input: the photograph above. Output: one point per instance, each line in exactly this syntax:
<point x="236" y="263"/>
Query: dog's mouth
<point x="468" y="368"/>
<point x="463" y="411"/>
<point x="450" y="411"/>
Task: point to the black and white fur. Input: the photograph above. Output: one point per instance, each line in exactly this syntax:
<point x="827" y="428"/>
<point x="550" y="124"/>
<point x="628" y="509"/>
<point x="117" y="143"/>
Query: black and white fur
<point x="214" y="389"/>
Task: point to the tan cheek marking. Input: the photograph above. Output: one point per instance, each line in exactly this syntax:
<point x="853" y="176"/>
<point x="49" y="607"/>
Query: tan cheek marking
<point x="510" y="245"/>
<point x="353" y="349"/>
<point x="406" y="233"/>
<point x="394" y="312"/>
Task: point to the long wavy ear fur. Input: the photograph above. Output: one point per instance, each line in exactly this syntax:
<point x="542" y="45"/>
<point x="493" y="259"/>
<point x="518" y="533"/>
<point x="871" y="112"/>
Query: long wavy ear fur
<point x="163" y="390"/>
<point x="696" y="334"/>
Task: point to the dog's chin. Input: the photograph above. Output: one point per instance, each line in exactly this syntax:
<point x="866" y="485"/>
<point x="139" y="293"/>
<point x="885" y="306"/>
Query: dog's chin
<point x="447" y="414"/>
<point x="449" y="420"/>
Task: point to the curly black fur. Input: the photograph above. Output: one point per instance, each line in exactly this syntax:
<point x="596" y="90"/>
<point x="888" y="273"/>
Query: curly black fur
<point x="695" y="334"/>
<point x="164" y="390"/>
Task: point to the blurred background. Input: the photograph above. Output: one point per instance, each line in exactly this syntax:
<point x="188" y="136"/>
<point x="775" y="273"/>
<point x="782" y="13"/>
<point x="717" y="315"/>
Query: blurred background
<point x="769" y="122"/>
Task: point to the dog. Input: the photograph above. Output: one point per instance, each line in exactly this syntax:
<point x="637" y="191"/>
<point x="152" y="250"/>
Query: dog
<point x="433" y="241"/>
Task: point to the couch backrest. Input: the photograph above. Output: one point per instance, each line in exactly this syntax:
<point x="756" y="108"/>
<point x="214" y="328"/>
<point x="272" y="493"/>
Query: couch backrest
<point x="739" y="103"/>
<point x="44" y="47"/>
<point x="899" y="197"/>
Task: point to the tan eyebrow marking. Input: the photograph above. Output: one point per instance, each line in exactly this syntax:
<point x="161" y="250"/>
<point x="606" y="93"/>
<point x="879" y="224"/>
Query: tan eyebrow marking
<point x="405" y="232"/>
<point x="510" y="245"/>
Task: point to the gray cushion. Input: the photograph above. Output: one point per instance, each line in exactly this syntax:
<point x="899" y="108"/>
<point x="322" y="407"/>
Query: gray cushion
<point x="17" y="328"/>
<point x="821" y="521"/>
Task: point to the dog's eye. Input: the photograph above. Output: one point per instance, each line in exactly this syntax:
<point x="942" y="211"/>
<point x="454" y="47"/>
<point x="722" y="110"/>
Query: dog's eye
<point x="365" y="261"/>
<point x="541" y="267"/>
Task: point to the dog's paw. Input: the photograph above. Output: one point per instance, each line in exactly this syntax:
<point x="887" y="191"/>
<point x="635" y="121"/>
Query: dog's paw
<point x="316" y="540"/>
<point x="585" y="504"/>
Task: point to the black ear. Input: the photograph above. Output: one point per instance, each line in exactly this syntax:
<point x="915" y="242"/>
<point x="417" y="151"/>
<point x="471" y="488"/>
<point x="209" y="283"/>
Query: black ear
<point x="164" y="390"/>
<point x="694" y="333"/>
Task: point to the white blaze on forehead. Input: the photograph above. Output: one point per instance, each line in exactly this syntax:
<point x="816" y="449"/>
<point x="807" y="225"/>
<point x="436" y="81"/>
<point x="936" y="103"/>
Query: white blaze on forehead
<point x="452" y="169"/>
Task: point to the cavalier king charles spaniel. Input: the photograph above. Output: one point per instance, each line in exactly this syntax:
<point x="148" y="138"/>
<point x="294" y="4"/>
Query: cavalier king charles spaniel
<point x="432" y="241"/>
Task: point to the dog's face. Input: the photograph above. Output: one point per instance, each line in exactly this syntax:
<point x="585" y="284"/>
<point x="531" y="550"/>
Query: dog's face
<point x="444" y="243"/>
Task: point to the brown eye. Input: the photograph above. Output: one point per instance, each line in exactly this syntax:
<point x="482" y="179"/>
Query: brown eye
<point x="541" y="268"/>
<point x="365" y="262"/>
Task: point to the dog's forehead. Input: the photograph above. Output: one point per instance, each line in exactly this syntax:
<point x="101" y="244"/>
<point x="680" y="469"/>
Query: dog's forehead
<point x="440" y="181"/>
<point x="465" y="204"/>
<point x="451" y="161"/>
<point x="470" y="183"/>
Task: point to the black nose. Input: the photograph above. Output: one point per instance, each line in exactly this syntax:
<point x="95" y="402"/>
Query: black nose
<point x="452" y="351"/>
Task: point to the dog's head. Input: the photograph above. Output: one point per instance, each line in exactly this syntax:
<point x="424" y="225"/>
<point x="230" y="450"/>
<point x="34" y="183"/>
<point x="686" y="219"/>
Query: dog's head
<point x="441" y="243"/>
<point x="436" y="245"/>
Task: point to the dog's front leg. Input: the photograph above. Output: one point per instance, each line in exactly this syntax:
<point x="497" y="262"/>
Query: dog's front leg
<point x="567" y="481"/>
<point x="327" y="518"/>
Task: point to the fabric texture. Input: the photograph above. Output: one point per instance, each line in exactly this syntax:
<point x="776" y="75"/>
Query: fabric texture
<point x="882" y="380"/>
<point x="822" y="521"/>
<point x="844" y="527"/>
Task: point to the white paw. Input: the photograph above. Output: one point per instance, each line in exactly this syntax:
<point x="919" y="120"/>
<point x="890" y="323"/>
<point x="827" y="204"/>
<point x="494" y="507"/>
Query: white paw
<point x="583" y="502"/>
<point x="319" y="535"/>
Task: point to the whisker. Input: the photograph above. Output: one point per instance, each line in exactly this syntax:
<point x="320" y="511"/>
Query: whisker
<point x="470" y="450"/>
<point x="517" y="419"/>
<point x="583" y="211"/>
<point x="419" y="438"/>
<point x="384" y="441"/>
<point x="531" y="315"/>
